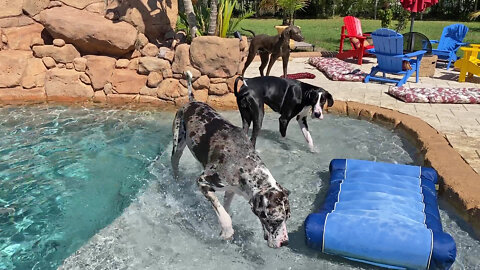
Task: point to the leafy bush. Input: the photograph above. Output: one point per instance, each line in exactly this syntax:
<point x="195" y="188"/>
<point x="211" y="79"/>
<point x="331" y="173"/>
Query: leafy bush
<point x="386" y="16"/>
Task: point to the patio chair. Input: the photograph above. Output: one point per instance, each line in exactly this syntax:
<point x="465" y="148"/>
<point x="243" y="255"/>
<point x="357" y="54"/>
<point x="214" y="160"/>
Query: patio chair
<point x="469" y="64"/>
<point x="358" y="40"/>
<point x="389" y="51"/>
<point x="450" y="42"/>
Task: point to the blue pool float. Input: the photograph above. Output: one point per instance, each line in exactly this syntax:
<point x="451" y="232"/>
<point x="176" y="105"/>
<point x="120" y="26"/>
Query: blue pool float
<point x="383" y="214"/>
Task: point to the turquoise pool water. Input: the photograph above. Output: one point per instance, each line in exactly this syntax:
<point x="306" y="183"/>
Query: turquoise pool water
<point x="92" y="189"/>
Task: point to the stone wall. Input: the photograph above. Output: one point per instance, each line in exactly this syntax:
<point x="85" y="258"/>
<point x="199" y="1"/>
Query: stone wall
<point x="84" y="51"/>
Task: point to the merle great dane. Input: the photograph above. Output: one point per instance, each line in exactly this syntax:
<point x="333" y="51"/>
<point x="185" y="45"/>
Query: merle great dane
<point x="232" y="165"/>
<point x="288" y="97"/>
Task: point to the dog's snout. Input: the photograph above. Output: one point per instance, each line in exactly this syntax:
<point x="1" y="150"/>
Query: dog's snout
<point x="284" y="243"/>
<point x="317" y="114"/>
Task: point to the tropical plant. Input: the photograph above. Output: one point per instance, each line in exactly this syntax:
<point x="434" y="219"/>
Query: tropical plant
<point x="288" y="7"/>
<point x="226" y="24"/>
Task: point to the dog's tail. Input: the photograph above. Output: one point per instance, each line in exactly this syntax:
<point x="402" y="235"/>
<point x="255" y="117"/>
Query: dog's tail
<point x="253" y="33"/>
<point x="235" y="85"/>
<point x="189" y="76"/>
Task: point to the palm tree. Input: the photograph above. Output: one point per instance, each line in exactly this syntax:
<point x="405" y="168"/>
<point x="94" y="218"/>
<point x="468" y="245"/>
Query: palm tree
<point x="191" y="18"/>
<point x="212" y="27"/>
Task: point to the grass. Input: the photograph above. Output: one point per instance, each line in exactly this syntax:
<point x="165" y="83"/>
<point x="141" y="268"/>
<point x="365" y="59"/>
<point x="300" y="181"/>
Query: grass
<point x="325" y="33"/>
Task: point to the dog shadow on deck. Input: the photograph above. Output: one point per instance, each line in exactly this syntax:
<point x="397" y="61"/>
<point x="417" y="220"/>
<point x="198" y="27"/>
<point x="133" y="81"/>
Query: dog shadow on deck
<point x="297" y="239"/>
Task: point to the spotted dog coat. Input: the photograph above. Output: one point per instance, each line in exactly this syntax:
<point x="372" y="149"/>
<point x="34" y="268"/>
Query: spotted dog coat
<point x="230" y="164"/>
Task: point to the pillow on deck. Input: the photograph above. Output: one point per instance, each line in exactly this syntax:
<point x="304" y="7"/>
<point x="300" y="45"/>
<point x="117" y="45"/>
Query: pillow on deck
<point x="436" y="94"/>
<point x="336" y="69"/>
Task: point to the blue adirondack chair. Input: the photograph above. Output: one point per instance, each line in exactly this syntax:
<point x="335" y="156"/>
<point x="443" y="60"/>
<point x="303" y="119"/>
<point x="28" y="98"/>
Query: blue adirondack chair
<point x="389" y="51"/>
<point x="450" y="42"/>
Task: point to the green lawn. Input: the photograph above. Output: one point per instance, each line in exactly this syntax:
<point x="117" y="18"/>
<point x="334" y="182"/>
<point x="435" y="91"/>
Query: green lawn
<point x="325" y="34"/>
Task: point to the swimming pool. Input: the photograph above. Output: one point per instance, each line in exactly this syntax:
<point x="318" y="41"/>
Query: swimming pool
<point x="95" y="185"/>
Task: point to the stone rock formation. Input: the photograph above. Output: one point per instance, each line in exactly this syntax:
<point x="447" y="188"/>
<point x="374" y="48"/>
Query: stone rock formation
<point x="91" y="33"/>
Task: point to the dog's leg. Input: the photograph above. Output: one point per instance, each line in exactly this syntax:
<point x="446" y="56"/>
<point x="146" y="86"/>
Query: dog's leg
<point x="179" y="141"/>
<point x="264" y="62"/>
<point x="227" y="200"/>
<point x="283" y="124"/>
<point x="223" y="217"/>
<point x="273" y="58"/>
<point x="285" y="59"/>
<point x="302" y="121"/>
<point x="251" y="55"/>
<point x="257" y="122"/>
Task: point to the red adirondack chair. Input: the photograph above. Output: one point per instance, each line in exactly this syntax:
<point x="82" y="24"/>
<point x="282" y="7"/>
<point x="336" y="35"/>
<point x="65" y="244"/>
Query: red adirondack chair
<point x="358" y="40"/>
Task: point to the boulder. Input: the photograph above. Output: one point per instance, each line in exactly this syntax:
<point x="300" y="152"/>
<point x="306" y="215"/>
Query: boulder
<point x="122" y="63"/>
<point x="80" y="4"/>
<point x="12" y="67"/>
<point x="99" y="97"/>
<point x="181" y="59"/>
<point x="99" y="69"/>
<point x="201" y="83"/>
<point x="9" y="8"/>
<point x="33" y="7"/>
<point x="215" y="56"/>
<point x="49" y="62"/>
<point x="149" y="64"/>
<point x="218" y="89"/>
<point x="64" y="54"/>
<point x="20" y="38"/>
<point x="80" y="64"/>
<point x="225" y="102"/>
<point x="34" y="74"/>
<point x="154" y="79"/>
<point x="91" y="33"/>
<point x="153" y="18"/>
<point x="16" y="21"/>
<point x="169" y="89"/>
<point x="96" y="8"/>
<point x="59" y="42"/>
<point x="201" y="95"/>
<point x="149" y="50"/>
<point x="65" y="85"/>
<point x="147" y="91"/>
<point x="127" y="81"/>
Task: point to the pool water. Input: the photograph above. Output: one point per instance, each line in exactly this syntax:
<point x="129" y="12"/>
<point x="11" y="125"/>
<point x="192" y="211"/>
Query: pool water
<point x="92" y="189"/>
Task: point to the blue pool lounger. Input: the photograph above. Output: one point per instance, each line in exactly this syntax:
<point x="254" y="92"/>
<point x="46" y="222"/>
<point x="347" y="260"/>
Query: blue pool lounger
<point x="383" y="214"/>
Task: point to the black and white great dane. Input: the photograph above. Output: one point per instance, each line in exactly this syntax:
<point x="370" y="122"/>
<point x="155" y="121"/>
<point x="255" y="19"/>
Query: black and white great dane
<point x="232" y="165"/>
<point x="288" y="97"/>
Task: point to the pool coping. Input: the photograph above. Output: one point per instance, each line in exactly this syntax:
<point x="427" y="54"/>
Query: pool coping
<point x="459" y="184"/>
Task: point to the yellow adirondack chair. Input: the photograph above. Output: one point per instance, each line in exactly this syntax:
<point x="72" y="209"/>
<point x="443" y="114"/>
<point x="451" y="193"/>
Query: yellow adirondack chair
<point x="469" y="64"/>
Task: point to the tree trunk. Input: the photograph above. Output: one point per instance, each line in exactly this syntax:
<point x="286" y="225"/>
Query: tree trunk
<point x="212" y="27"/>
<point x="375" y="14"/>
<point x="191" y="19"/>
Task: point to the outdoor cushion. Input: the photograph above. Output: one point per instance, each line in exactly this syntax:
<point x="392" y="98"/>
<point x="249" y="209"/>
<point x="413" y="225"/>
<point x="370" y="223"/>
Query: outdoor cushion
<point x="300" y="75"/>
<point x="436" y="94"/>
<point x="336" y="69"/>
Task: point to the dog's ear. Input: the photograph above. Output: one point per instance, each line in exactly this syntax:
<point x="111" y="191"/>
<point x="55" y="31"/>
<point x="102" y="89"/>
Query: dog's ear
<point x="329" y="98"/>
<point x="286" y="32"/>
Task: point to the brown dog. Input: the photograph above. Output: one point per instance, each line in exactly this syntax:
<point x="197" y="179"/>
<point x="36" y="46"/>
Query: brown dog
<point x="275" y="45"/>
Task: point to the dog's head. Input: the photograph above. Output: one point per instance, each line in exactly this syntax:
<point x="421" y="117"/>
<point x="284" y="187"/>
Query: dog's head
<point x="293" y="32"/>
<point x="271" y="206"/>
<point x="317" y="99"/>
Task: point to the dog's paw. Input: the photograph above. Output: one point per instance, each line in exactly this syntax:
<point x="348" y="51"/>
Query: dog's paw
<point x="314" y="150"/>
<point x="227" y="234"/>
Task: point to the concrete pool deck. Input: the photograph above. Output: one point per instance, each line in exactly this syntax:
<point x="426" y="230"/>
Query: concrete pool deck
<point x="444" y="125"/>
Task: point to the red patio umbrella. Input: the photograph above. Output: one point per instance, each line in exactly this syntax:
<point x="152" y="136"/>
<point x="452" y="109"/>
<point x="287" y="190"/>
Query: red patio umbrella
<point x="415" y="6"/>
